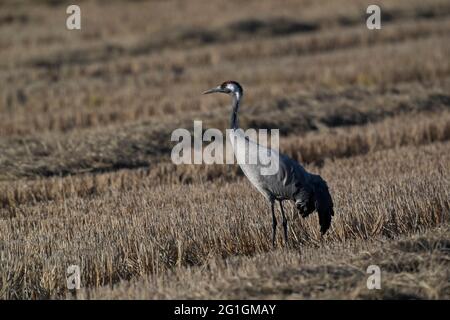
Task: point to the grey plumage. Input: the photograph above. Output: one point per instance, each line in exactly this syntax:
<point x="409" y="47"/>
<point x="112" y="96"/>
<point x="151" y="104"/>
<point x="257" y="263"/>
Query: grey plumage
<point x="291" y="182"/>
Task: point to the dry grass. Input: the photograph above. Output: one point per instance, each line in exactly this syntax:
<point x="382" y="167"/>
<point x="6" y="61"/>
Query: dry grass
<point x="414" y="267"/>
<point x="412" y="130"/>
<point x="155" y="228"/>
<point x="85" y="171"/>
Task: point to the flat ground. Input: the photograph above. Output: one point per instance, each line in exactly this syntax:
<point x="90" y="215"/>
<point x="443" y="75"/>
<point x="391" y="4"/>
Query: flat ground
<point x="85" y="170"/>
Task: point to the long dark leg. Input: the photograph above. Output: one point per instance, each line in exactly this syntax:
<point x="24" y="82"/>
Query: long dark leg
<point x="274" y="223"/>
<point x="285" y="224"/>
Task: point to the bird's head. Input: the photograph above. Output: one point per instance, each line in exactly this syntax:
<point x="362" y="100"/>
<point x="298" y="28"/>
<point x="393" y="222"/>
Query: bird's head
<point x="228" y="87"/>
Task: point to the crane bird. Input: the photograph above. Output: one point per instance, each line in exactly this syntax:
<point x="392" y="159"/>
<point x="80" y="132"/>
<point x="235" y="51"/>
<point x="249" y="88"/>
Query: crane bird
<point x="292" y="182"/>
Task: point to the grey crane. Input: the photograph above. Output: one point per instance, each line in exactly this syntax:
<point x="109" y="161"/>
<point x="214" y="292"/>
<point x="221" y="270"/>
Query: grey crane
<point x="291" y="181"/>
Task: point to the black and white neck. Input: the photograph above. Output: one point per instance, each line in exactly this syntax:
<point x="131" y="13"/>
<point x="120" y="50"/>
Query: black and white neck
<point x="234" y="113"/>
<point x="235" y="90"/>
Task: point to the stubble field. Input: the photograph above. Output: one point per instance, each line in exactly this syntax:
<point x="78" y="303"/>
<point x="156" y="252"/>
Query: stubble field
<point x="85" y="170"/>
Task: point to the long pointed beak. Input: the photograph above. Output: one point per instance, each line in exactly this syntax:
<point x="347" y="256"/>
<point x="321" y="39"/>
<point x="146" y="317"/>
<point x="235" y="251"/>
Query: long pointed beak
<point x="213" y="90"/>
